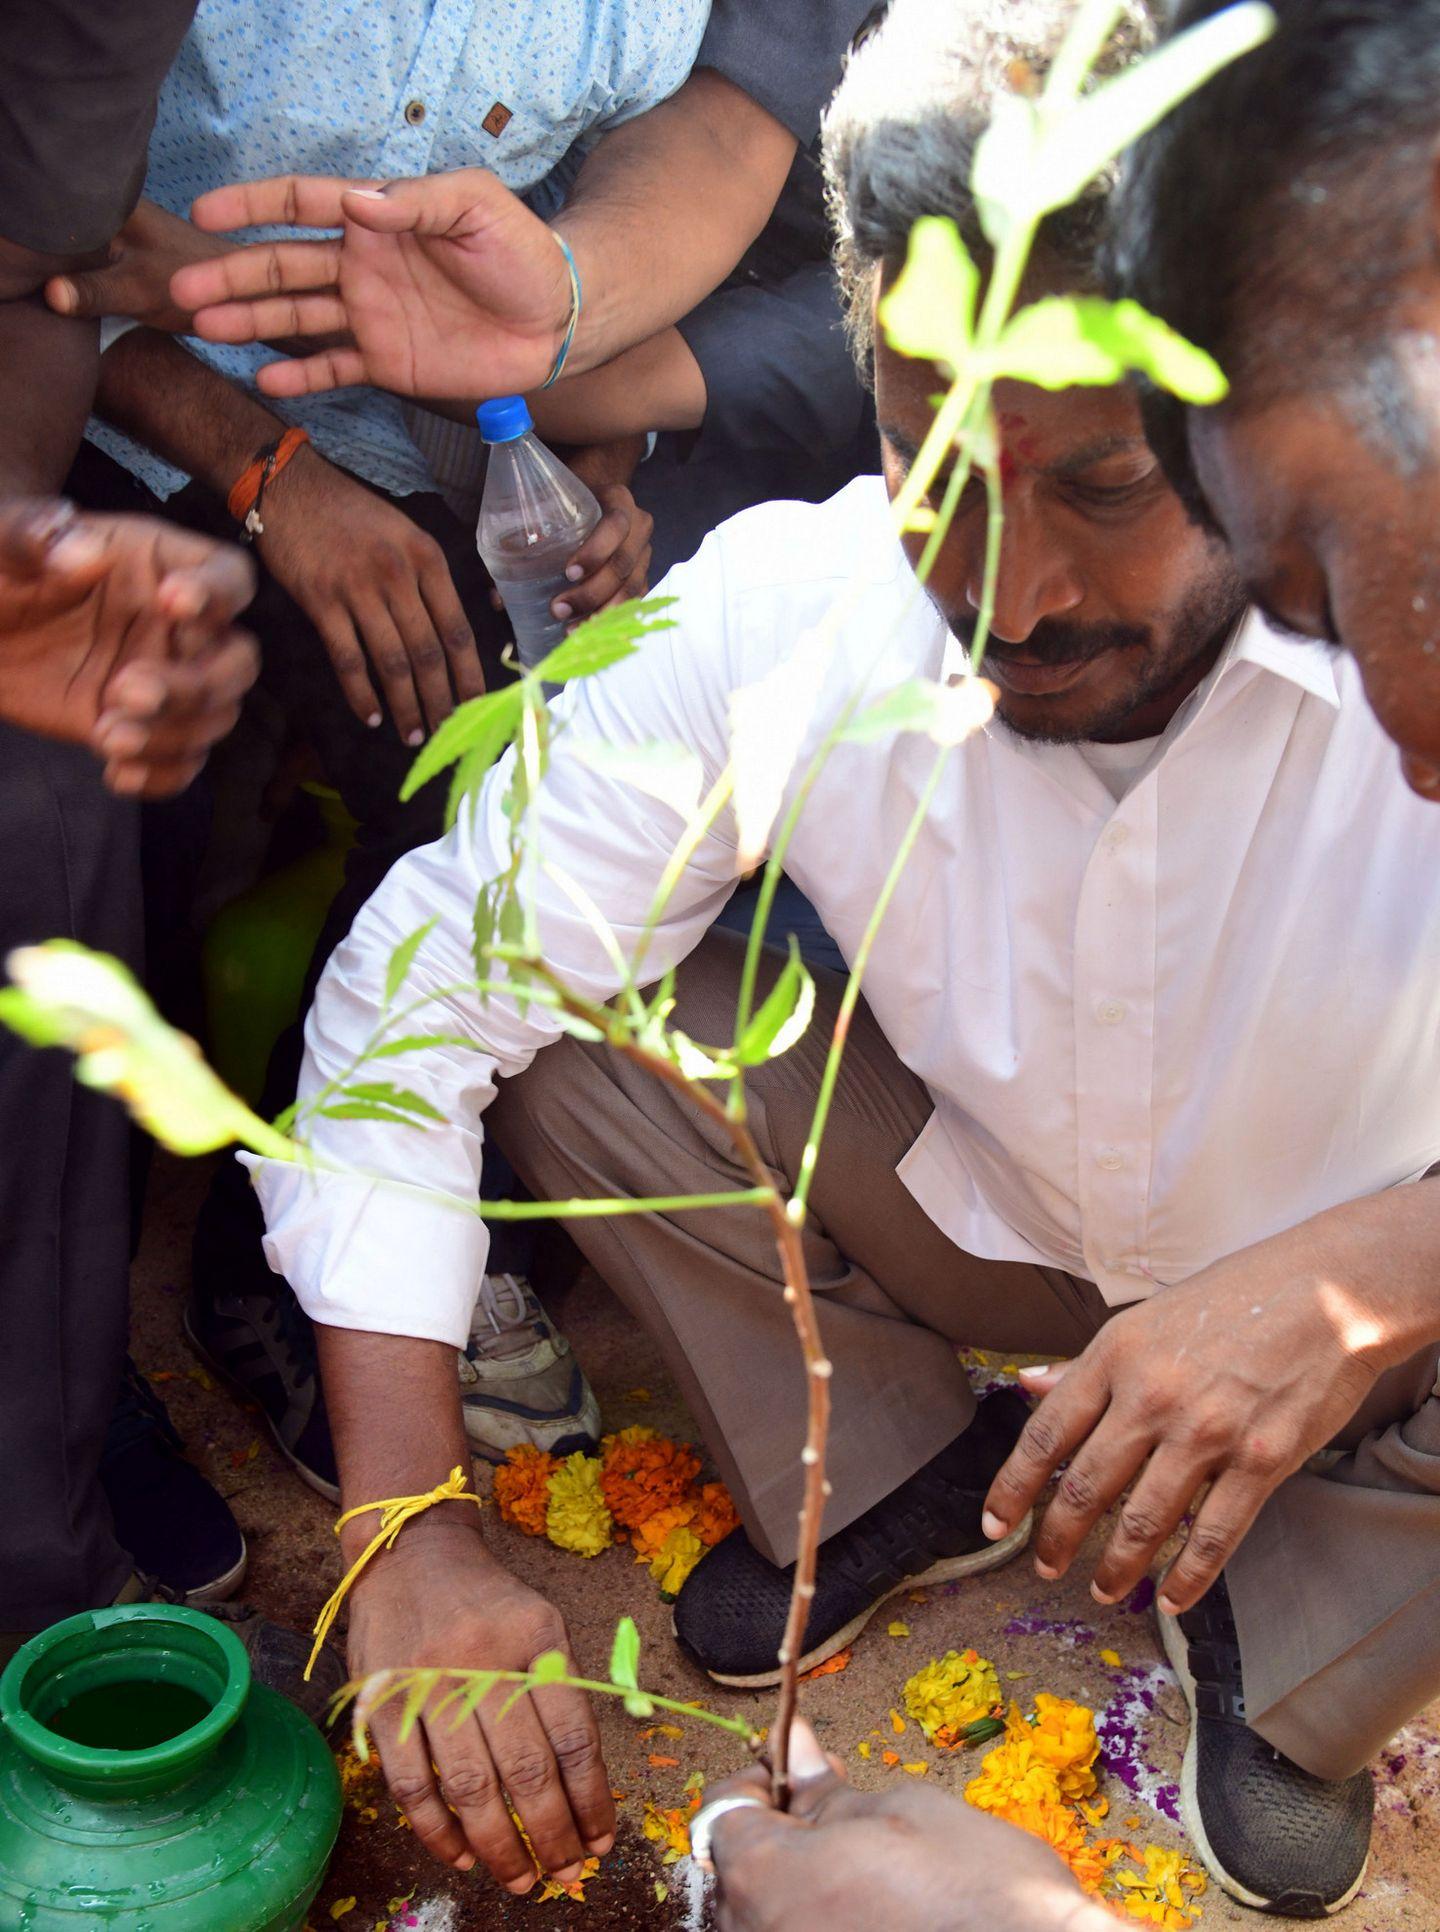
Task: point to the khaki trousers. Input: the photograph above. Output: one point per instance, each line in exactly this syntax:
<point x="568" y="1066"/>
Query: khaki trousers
<point x="1337" y="1588"/>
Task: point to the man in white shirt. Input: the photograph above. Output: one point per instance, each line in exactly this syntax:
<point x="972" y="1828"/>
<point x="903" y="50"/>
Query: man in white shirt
<point x="1152" y="1032"/>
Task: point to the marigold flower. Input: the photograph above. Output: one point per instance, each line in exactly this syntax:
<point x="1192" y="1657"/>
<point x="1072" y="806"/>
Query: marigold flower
<point x="651" y="1536"/>
<point x="950" y="1692"/>
<point x="716" y="1515"/>
<point x="522" y="1488"/>
<point x="576" y="1517"/>
<point x="675" y="1559"/>
<point x="642" y="1471"/>
<point x="1156" y="1896"/>
<point x="1064" y="1738"/>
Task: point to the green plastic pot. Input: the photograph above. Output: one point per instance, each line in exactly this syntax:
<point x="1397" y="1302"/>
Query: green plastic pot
<point x="147" y="1785"/>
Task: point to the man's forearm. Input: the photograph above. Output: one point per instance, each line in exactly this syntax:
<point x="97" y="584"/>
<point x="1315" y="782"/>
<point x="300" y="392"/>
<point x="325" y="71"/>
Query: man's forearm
<point x="47" y="381"/>
<point x="167" y="399"/>
<point x="395" y="1417"/>
<point x="664" y="208"/>
<point x="1378" y="1262"/>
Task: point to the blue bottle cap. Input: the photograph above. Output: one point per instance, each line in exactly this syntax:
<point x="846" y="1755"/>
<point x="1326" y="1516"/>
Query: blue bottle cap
<point x="503" y="418"/>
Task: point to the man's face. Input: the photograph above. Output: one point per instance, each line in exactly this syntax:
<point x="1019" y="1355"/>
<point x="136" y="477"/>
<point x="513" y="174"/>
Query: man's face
<point x="1110" y="604"/>
<point x="1338" y="538"/>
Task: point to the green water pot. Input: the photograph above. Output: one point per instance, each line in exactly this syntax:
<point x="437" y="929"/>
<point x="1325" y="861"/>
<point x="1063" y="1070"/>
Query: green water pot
<point x="147" y="1785"/>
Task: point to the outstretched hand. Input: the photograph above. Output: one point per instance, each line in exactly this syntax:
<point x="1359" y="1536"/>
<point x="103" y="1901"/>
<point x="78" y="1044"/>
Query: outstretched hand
<point x="447" y="284"/>
<point x="909" y="1855"/>
<point x="118" y="632"/>
<point x="1231" y="1379"/>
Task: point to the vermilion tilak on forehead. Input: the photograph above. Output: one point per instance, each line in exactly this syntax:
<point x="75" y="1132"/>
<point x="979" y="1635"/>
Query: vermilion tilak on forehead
<point x="1017" y="445"/>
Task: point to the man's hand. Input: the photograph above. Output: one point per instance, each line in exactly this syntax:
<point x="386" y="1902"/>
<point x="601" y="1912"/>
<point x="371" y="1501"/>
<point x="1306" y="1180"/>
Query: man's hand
<point x="1232" y="1379"/>
<point x="377" y="588"/>
<point x="613" y="563"/>
<point x="439" y="1598"/>
<point x="119" y="633"/>
<point x="135" y="281"/>
<point x="908" y="1856"/>
<point x="447" y="284"/>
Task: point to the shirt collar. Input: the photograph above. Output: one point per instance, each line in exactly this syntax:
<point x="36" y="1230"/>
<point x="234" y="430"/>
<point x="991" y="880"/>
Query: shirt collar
<point x="1301" y="661"/>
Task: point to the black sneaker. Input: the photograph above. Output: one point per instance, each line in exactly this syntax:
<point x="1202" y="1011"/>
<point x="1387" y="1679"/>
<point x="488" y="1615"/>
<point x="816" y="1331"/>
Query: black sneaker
<point x="262" y="1347"/>
<point x="167" y="1516"/>
<point x="1274" y="1837"/>
<point x="730" y="1614"/>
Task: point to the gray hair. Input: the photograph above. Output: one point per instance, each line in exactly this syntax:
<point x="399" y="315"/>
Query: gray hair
<point x="900" y="134"/>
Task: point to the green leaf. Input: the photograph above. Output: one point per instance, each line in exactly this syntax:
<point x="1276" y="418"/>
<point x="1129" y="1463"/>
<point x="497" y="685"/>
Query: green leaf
<point x="639" y="1705"/>
<point x="946" y="713"/>
<point x="403" y="958"/>
<point x="1077" y="145"/>
<point x="550" y="1667"/>
<point x="782" y="1016"/>
<point x="478" y="1688"/>
<point x="421" y="1685"/>
<point x="625" y="1655"/>
<point x="576" y="1027"/>
<point x="930" y="311"/>
<point x="479" y="728"/>
<point x="520" y="1691"/>
<point x="604" y="639"/>
<point x="66" y="995"/>
<point x="1004" y="161"/>
<point x="1070" y="339"/>
<point x="696" y="1062"/>
<point x="668" y="772"/>
<point x="383" y="1094"/>
<point x="365" y="1110"/>
<point x="420" y="1043"/>
<point x="33" y="1022"/>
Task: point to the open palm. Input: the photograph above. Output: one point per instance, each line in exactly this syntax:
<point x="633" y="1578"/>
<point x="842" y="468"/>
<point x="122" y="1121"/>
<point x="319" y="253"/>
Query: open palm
<point x="446" y="285"/>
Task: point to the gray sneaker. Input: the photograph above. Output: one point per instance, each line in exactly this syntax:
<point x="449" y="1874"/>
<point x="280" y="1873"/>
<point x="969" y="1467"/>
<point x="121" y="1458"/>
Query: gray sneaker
<point x="519" y="1381"/>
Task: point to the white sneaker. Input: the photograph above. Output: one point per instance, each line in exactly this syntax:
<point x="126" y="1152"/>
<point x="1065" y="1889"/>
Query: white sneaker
<point x="519" y="1381"/>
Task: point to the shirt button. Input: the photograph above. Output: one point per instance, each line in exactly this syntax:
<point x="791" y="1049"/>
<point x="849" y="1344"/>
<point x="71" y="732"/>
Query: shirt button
<point x="1110" y="1158"/>
<point x="414" y="112"/>
<point x="1110" y="1012"/>
<point x="1115" y="837"/>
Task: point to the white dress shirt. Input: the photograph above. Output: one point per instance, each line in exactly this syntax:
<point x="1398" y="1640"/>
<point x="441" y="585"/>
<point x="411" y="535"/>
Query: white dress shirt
<point x="1156" y="1030"/>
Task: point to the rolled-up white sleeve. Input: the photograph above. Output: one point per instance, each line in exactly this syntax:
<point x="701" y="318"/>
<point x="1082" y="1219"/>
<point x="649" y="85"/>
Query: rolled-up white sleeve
<point x="407" y="1259"/>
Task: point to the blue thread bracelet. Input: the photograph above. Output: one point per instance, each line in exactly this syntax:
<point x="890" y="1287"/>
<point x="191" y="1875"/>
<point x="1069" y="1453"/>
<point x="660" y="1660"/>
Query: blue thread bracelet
<point x="576" y="302"/>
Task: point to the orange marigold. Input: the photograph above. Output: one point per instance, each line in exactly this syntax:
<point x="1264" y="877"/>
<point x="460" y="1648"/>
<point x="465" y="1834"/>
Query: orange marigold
<point x="651" y="1535"/>
<point x="716" y="1516"/>
<point x="641" y="1472"/>
<point x="522" y="1488"/>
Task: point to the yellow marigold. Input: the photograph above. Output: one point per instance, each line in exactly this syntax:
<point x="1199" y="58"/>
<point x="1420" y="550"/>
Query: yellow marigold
<point x="1063" y="1735"/>
<point x="1014" y="1783"/>
<point x="522" y="1488"/>
<point x="717" y="1514"/>
<point x="951" y="1692"/>
<point x="669" y="1828"/>
<point x="642" y="1472"/>
<point x="577" y="1518"/>
<point x="675" y="1559"/>
<point x="1156" y="1896"/>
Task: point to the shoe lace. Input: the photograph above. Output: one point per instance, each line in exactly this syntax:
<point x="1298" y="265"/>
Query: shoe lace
<point x="507" y="1317"/>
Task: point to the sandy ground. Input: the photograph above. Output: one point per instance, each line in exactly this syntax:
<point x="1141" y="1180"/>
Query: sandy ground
<point x="1050" y="1636"/>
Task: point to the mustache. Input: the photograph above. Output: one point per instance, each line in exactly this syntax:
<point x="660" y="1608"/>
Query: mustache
<point x="1058" y="643"/>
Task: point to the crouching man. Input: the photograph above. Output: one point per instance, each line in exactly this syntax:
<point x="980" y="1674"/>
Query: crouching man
<point x="1152" y="1040"/>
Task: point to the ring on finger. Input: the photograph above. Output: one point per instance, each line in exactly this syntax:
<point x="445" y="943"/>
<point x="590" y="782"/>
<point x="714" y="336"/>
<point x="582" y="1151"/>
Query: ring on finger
<point x="702" y="1825"/>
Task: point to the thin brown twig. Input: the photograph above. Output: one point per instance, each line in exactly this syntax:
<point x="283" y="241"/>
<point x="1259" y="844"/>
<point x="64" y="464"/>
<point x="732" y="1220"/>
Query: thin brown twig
<point x="801" y="1301"/>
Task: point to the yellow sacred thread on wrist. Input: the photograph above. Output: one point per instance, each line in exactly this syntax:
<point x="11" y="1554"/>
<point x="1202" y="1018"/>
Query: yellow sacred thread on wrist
<point x="395" y="1513"/>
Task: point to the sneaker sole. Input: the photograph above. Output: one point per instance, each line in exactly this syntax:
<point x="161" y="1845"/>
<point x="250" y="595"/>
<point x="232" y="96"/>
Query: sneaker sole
<point x="330" y="1491"/>
<point x="223" y="1586"/>
<point x="1172" y="1640"/>
<point x="952" y="1569"/>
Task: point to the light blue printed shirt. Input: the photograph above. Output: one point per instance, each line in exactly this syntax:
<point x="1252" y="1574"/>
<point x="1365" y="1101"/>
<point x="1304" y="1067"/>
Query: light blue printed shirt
<point x="385" y="88"/>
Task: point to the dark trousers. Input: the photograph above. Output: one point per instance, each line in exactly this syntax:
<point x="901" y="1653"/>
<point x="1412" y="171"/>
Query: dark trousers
<point x="71" y="871"/>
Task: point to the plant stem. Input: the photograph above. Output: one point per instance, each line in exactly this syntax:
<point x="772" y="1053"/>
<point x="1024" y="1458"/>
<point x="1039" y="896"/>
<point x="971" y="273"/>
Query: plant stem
<point x="581" y="1210"/>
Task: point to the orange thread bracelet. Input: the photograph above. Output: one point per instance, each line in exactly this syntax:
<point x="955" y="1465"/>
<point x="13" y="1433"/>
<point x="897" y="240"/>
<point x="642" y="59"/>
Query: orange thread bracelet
<point x="248" y="492"/>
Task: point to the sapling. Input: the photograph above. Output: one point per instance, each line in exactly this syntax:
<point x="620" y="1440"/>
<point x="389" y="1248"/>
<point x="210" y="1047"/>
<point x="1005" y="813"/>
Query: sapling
<point x="1042" y="149"/>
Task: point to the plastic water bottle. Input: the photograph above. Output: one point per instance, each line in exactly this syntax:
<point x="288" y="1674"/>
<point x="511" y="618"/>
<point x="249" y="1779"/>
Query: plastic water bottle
<point x="534" y="516"/>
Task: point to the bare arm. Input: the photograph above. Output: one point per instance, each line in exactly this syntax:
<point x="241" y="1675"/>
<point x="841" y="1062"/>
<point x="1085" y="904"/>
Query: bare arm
<point x="664" y="208"/>
<point x="170" y="401"/>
